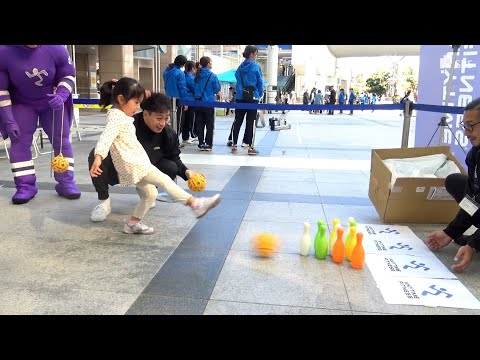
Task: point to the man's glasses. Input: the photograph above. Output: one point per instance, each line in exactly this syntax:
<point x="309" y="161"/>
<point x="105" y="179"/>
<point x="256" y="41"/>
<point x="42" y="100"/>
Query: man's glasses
<point x="467" y="126"/>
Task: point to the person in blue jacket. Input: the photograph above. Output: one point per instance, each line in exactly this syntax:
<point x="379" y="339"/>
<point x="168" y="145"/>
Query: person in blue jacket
<point x="176" y="87"/>
<point x="341" y="98"/>
<point x="188" y="123"/>
<point x="351" y="99"/>
<point x="374" y="100"/>
<point x="206" y="89"/>
<point x="248" y="75"/>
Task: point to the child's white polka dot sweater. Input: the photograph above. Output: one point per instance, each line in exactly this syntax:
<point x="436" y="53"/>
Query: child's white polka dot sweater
<point x="128" y="155"/>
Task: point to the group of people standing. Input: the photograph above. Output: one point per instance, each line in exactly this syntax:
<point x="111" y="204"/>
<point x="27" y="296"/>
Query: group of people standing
<point x="316" y="97"/>
<point x="197" y="82"/>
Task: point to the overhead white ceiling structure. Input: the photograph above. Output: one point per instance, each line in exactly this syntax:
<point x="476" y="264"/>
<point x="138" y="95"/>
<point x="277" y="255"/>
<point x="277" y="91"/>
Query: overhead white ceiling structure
<point x="92" y="49"/>
<point x="342" y="51"/>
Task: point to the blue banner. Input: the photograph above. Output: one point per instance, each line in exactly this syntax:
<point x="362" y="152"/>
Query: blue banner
<point x="433" y="78"/>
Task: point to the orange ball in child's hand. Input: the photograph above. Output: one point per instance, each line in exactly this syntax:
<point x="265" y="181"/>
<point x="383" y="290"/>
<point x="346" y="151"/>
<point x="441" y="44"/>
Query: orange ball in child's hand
<point x="265" y="244"/>
<point x="197" y="182"/>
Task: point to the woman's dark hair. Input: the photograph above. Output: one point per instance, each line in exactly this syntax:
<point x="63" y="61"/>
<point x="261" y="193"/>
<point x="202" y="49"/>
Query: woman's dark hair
<point x="157" y="102"/>
<point x="180" y="61"/>
<point x="204" y="61"/>
<point x="189" y="65"/>
<point x="127" y="87"/>
<point x="249" y="49"/>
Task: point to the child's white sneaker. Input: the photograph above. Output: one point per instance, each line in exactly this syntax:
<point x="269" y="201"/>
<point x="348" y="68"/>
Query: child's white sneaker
<point x="137" y="228"/>
<point x="204" y="204"/>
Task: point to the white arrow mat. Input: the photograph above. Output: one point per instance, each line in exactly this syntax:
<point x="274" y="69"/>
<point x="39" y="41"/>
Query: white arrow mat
<point x="386" y="266"/>
<point x="428" y="292"/>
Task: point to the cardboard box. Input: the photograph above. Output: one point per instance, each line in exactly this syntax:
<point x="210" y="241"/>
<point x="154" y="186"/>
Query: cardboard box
<point x="410" y="200"/>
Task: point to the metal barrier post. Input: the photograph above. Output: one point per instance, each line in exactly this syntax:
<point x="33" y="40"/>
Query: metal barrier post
<point x="76" y="120"/>
<point x="406" y="124"/>
<point x="173" y="118"/>
<point x="443" y="121"/>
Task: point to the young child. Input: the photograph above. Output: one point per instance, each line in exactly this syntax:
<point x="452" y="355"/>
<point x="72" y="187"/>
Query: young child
<point x="131" y="160"/>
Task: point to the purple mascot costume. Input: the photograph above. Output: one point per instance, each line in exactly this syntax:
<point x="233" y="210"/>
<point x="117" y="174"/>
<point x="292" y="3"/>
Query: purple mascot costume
<point x="36" y="83"/>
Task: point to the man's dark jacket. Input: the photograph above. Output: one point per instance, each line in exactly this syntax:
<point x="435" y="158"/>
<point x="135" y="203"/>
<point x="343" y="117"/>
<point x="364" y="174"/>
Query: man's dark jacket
<point x="159" y="145"/>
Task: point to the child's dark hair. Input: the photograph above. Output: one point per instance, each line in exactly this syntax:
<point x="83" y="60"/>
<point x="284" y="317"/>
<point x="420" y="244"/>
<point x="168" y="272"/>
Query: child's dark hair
<point x="157" y="102"/>
<point x="204" y="61"/>
<point x="127" y="87"/>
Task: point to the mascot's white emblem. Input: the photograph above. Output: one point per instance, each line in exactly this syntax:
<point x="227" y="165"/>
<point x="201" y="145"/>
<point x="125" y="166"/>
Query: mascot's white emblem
<point x="37" y="73"/>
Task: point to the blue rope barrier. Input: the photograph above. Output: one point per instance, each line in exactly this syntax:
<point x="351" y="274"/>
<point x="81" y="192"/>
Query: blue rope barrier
<point x="439" y="108"/>
<point x="281" y="107"/>
<point x="86" y="101"/>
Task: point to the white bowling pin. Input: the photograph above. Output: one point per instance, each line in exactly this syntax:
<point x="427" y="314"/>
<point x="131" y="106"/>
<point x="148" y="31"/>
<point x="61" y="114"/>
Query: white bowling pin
<point x="305" y="240"/>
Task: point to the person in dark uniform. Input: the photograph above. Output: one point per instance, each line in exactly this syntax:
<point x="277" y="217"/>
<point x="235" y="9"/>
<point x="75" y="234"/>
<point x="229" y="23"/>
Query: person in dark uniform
<point x="333" y="99"/>
<point x="465" y="189"/>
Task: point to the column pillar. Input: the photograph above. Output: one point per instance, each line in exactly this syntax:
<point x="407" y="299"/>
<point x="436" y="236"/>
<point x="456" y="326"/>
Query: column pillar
<point x="272" y="66"/>
<point x="115" y="61"/>
<point x="92" y="76"/>
<point x="81" y="66"/>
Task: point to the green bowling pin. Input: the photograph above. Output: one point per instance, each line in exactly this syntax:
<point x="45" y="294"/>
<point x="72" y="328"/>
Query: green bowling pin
<point x="321" y="243"/>
<point x="352" y="221"/>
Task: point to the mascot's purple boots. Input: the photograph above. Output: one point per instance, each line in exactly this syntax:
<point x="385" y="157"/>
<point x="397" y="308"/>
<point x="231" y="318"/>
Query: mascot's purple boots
<point x="25" y="178"/>
<point x="23" y="169"/>
<point x="26" y="189"/>
<point x="66" y="185"/>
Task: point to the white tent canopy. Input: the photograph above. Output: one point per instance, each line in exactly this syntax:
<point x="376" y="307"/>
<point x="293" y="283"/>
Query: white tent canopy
<point x="341" y="51"/>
